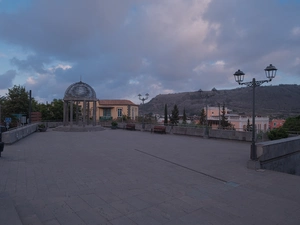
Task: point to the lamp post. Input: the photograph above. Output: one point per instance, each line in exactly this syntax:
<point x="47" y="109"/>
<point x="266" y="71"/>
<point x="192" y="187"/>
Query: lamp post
<point x="270" y="72"/>
<point x="143" y="99"/>
<point x="219" y="125"/>
<point x="206" y="116"/>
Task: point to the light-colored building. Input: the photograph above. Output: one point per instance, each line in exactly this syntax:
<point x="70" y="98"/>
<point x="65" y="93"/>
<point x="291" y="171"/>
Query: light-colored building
<point x="214" y="116"/>
<point x="113" y="109"/>
<point x="116" y="109"/>
<point x="240" y="122"/>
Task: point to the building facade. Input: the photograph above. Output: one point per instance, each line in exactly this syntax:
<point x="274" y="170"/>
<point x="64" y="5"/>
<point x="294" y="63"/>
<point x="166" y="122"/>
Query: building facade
<point x="276" y="123"/>
<point x="113" y="109"/>
<point x="214" y="115"/>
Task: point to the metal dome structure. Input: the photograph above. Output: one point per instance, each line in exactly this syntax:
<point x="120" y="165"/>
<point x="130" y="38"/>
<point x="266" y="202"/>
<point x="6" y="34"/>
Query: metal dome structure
<point x="82" y="94"/>
<point x="80" y="91"/>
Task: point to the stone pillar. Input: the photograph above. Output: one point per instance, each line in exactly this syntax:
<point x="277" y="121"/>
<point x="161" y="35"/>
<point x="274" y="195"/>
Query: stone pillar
<point x="67" y="112"/>
<point x="77" y="113"/>
<point x="71" y="113"/>
<point x="65" y="121"/>
<point x="84" y="113"/>
<point x="88" y="114"/>
<point x="64" y="114"/>
<point x="94" y="113"/>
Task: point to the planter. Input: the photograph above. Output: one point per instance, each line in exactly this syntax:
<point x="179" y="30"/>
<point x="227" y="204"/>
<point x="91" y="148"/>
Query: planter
<point x="42" y="129"/>
<point x="114" y="127"/>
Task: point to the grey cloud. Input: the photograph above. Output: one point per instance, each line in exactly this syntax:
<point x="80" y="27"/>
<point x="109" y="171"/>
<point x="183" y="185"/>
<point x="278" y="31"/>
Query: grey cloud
<point x="32" y="63"/>
<point x="7" y="78"/>
<point x="69" y="29"/>
<point x="107" y="41"/>
<point x="250" y="31"/>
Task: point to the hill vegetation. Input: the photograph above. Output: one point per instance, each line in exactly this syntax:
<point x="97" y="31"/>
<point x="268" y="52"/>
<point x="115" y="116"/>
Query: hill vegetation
<point x="280" y="101"/>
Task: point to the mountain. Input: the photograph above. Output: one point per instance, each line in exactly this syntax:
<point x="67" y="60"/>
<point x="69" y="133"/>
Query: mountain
<point x="280" y="101"/>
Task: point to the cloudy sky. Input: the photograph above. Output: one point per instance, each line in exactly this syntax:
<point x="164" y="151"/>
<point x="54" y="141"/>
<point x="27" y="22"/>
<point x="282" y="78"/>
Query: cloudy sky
<point x="126" y="47"/>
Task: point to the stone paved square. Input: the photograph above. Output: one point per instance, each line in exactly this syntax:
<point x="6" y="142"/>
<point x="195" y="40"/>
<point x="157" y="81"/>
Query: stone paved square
<point x="131" y="177"/>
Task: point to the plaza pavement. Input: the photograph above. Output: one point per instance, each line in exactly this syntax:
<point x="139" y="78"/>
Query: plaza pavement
<point x="120" y="177"/>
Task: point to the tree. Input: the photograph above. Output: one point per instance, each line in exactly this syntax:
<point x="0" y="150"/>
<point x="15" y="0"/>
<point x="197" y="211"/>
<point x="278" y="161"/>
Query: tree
<point x="45" y="111"/>
<point x="202" y="118"/>
<point x="57" y="108"/>
<point x="166" y="115"/>
<point x="34" y="105"/>
<point x="53" y="111"/>
<point x="224" y="121"/>
<point x="277" y="133"/>
<point x="175" y="115"/>
<point x="2" y="103"/>
<point x="17" y="101"/>
<point x="292" y="123"/>
<point x="184" y="117"/>
<point x="249" y="126"/>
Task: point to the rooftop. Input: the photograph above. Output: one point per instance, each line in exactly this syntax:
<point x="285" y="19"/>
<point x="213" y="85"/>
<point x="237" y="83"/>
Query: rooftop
<point x="115" y="102"/>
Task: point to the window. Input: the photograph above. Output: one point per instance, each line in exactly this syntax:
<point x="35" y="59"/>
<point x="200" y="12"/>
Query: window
<point x="120" y="113"/>
<point x="107" y="112"/>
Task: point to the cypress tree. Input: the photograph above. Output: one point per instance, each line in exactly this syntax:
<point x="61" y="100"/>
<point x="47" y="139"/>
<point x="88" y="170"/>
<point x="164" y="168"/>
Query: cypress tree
<point x="202" y="117"/>
<point x="166" y="115"/>
<point x="175" y="115"/>
<point x="184" y="117"/>
<point x="224" y="122"/>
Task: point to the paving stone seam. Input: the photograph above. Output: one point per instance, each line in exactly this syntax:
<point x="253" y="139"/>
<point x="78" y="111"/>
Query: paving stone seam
<point x="182" y="166"/>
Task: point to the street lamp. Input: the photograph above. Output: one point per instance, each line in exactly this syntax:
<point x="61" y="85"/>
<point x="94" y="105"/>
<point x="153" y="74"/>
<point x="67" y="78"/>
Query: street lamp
<point x="143" y="99"/>
<point x="270" y="72"/>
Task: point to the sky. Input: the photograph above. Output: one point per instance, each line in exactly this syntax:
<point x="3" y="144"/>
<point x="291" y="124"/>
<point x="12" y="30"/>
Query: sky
<point x="123" y="48"/>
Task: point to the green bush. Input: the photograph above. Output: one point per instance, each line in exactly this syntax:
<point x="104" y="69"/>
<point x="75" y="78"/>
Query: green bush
<point x="114" y="123"/>
<point x="292" y="124"/>
<point x="277" y="133"/>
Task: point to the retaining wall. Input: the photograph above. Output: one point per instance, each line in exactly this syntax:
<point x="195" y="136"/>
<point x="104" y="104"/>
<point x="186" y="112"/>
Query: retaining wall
<point x="194" y="131"/>
<point x="15" y="135"/>
<point x="280" y="155"/>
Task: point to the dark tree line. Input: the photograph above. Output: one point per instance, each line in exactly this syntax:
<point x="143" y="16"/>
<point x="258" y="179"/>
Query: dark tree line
<point x="174" y="117"/>
<point x="17" y="100"/>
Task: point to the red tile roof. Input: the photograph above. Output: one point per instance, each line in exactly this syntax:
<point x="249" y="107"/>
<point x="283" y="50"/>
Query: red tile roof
<point x="116" y="102"/>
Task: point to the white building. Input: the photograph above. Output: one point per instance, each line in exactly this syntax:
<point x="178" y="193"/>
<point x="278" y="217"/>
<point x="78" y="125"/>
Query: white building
<point x="239" y="122"/>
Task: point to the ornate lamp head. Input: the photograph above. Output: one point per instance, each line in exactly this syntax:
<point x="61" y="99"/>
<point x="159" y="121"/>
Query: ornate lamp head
<point x="239" y="76"/>
<point x="270" y="72"/>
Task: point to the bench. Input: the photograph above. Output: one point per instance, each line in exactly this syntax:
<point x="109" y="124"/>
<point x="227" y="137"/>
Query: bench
<point x="159" y="129"/>
<point x="130" y="126"/>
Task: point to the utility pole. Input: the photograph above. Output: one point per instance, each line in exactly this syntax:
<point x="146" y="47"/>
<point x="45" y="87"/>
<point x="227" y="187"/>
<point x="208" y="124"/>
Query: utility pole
<point x="219" y="116"/>
<point x="29" y="110"/>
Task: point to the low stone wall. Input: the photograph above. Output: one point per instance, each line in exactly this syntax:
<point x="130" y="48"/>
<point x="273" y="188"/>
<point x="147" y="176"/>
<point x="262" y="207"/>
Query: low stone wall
<point x="52" y="124"/>
<point x="231" y="135"/>
<point x="280" y="155"/>
<point x="12" y="136"/>
<point x="192" y="131"/>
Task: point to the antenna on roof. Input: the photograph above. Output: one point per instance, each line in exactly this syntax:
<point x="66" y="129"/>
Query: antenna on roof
<point x="80" y="78"/>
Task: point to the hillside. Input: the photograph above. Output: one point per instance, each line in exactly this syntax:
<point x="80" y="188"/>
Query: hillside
<point x="275" y="101"/>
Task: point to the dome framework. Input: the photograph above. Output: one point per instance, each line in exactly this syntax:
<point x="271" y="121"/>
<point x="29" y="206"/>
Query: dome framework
<point x="82" y="94"/>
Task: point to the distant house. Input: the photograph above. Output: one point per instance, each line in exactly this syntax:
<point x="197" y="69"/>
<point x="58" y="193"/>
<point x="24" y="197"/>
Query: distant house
<point x="113" y="109"/>
<point x="239" y="122"/>
<point x="276" y="123"/>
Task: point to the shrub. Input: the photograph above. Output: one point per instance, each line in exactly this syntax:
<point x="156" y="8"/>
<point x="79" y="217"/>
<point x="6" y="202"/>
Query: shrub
<point x="114" y="123"/>
<point x="277" y="133"/>
<point x="41" y="125"/>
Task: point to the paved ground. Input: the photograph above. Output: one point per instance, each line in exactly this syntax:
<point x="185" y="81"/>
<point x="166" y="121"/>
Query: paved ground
<point x="120" y="177"/>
